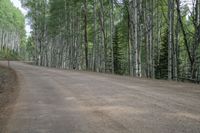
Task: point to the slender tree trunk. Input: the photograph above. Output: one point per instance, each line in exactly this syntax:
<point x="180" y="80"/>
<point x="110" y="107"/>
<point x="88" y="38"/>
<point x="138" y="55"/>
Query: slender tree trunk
<point x="152" y="40"/>
<point x="85" y="35"/>
<point x="131" y="38"/>
<point x="136" y="61"/>
<point x="94" y="60"/>
<point x="176" y="52"/>
<point x="103" y="38"/>
<point x="170" y="38"/>
<point x="111" y="34"/>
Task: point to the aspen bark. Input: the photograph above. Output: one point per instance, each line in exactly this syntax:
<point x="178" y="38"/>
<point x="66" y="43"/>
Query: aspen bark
<point x="170" y="37"/>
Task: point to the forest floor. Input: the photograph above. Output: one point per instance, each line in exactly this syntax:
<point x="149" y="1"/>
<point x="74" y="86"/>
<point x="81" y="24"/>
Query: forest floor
<point x="62" y="101"/>
<point x="8" y="95"/>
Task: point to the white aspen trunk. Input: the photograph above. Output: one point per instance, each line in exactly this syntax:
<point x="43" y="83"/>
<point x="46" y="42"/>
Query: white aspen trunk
<point x="136" y="71"/>
<point x="111" y="35"/>
<point x="103" y="53"/>
<point x="147" y="24"/>
<point x="140" y="36"/>
<point x="1" y="34"/>
<point x="198" y="53"/>
<point x="198" y="11"/>
<point x="170" y="37"/>
<point x="176" y="51"/>
<point x="95" y="39"/>
<point x="131" y="37"/>
<point x="152" y="40"/>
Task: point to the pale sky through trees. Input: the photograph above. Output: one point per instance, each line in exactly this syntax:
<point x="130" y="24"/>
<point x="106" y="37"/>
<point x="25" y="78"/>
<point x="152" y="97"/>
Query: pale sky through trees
<point x="17" y="3"/>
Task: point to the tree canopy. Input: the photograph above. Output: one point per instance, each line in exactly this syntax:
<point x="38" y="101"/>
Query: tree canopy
<point x="12" y="28"/>
<point x="11" y="17"/>
<point x="143" y="38"/>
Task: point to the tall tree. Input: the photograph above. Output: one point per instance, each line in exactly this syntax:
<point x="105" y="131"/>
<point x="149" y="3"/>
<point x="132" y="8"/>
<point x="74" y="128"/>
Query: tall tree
<point x="171" y="37"/>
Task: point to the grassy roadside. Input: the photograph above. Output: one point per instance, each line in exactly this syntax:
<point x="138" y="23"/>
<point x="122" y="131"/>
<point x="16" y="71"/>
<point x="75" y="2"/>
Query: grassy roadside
<point x="8" y="94"/>
<point x="9" y="55"/>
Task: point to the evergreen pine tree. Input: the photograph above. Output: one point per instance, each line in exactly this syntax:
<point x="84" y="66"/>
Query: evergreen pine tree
<point x="162" y="66"/>
<point x="117" y="53"/>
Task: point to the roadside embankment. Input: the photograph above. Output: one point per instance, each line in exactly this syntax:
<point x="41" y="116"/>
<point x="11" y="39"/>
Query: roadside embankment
<point x="8" y="94"/>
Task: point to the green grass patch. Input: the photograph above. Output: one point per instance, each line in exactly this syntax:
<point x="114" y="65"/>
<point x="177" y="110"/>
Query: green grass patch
<point x="9" y="55"/>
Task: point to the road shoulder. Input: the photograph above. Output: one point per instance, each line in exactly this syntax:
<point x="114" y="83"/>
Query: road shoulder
<point x="8" y="94"/>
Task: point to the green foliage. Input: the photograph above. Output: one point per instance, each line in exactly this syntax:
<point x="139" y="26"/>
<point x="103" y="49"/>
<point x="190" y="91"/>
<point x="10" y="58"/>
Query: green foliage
<point x="30" y="48"/>
<point x="119" y="49"/>
<point x="58" y="37"/>
<point x="162" y="64"/>
<point x="8" y="54"/>
<point x="11" y="21"/>
<point x="11" y="18"/>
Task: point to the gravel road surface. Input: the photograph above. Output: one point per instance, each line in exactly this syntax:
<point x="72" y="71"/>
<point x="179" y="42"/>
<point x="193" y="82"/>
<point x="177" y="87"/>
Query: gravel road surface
<point x="60" y="101"/>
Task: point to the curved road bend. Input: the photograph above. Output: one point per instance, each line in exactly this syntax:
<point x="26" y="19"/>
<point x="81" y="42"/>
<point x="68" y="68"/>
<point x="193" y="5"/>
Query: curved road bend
<point x="60" y="101"/>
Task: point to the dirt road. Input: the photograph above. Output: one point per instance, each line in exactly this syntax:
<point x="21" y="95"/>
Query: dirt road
<point x="59" y="101"/>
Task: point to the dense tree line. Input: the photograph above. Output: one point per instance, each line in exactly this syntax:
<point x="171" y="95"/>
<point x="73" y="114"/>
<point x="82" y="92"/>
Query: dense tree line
<point x="142" y="38"/>
<point x="12" y="31"/>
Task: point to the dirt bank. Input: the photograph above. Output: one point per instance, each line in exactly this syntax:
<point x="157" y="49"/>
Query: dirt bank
<point x="8" y="94"/>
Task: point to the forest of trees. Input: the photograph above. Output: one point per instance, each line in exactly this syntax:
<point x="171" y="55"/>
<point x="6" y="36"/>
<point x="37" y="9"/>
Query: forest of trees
<point x="142" y="38"/>
<point x="12" y="29"/>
